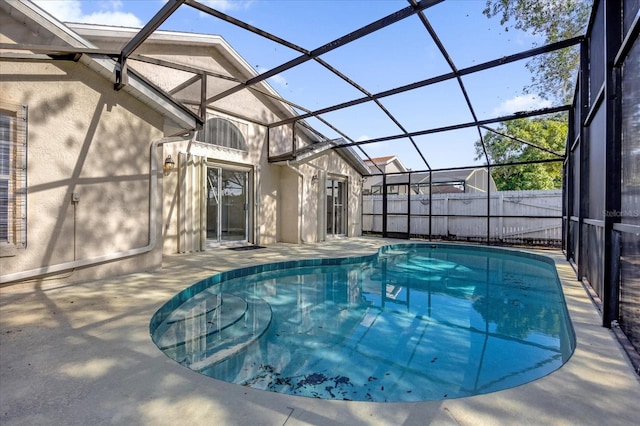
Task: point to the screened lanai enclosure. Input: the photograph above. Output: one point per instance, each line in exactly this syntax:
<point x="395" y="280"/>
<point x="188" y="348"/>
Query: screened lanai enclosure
<point x="447" y="191"/>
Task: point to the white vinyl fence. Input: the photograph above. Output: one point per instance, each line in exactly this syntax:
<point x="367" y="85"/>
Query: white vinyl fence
<point x="517" y="217"/>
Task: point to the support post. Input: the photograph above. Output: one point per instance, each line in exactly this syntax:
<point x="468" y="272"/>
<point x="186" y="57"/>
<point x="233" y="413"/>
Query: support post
<point x="612" y="175"/>
<point x="488" y="204"/>
<point x="384" y="206"/>
<point x="584" y="157"/>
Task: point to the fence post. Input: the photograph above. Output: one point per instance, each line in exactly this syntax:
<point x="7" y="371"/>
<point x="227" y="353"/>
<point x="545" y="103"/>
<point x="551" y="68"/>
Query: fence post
<point x="446" y="215"/>
<point x="384" y="205"/>
<point x="488" y="204"/>
<point x="500" y="219"/>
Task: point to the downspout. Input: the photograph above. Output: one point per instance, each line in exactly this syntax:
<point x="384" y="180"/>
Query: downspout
<point x="300" y="203"/>
<point x="61" y="267"/>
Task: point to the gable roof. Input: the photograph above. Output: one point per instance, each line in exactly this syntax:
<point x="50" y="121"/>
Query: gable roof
<point x="110" y="35"/>
<point x="60" y="42"/>
<point x="106" y="35"/>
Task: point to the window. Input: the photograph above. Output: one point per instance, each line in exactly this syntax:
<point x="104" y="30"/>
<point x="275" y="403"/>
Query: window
<point x="13" y="177"/>
<point x="223" y="132"/>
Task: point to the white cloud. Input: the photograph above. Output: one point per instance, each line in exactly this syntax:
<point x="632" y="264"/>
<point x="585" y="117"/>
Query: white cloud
<point x="277" y="80"/>
<point x="109" y="13"/>
<point x="521" y="103"/>
<point x="223" y="5"/>
<point x="226" y="5"/>
<point x="114" y="18"/>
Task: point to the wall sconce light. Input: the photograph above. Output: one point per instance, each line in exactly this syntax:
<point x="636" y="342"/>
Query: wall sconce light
<point x="314" y="179"/>
<point x="169" y="164"/>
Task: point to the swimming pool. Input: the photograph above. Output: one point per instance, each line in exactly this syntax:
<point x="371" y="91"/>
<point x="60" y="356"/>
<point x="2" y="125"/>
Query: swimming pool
<point x="413" y="322"/>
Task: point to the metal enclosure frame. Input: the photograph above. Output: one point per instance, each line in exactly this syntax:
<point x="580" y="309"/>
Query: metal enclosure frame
<point x="601" y="208"/>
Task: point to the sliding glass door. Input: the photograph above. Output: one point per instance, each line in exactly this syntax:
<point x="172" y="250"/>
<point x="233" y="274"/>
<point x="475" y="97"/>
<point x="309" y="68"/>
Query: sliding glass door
<point x="227" y="204"/>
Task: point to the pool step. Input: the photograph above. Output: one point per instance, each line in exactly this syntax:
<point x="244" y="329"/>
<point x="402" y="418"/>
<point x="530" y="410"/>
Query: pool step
<point x="201" y="317"/>
<point x="234" y="339"/>
<point x="200" y="304"/>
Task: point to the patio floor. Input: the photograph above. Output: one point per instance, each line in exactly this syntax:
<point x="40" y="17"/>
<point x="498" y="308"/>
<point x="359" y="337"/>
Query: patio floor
<point x="81" y="354"/>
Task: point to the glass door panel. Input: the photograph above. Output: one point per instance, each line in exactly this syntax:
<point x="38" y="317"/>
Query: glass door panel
<point x="336" y="212"/>
<point x="227" y="198"/>
<point x="338" y="208"/>
<point x="213" y="203"/>
<point x="234" y="205"/>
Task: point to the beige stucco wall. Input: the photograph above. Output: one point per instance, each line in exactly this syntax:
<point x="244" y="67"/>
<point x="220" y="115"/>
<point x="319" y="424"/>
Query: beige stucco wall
<point x="84" y="138"/>
<point x="87" y="139"/>
<point x="311" y="213"/>
<point x="335" y="166"/>
<point x="283" y="201"/>
<point x="288" y="205"/>
<point x="273" y="187"/>
<point x="266" y="185"/>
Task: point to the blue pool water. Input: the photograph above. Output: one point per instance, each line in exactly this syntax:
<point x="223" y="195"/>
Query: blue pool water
<point x="413" y="322"/>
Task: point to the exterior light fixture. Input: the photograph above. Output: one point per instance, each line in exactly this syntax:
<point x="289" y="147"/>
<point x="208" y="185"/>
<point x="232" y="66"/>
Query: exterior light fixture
<point x="314" y="179"/>
<point x="169" y="164"/>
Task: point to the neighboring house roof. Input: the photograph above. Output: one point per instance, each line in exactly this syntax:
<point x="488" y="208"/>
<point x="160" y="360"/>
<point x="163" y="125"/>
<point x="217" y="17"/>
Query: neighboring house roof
<point x="383" y="162"/>
<point x="58" y="35"/>
<point x="440" y="177"/>
<point x="443" y="176"/>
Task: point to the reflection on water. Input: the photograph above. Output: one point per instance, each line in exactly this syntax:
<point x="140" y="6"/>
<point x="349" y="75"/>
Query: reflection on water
<point x="416" y="324"/>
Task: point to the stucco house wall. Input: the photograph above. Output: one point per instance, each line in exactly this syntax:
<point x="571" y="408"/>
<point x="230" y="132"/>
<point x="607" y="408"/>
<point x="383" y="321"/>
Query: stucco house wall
<point x="87" y="139"/>
<point x="288" y="205"/>
<point x="98" y="198"/>
<point x="88" y="173"/>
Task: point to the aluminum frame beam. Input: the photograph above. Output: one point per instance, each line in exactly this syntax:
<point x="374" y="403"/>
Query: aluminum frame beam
<point x="332" y="45"/>
<point x="163" y="14"/>
<point x="443" y="77"/>
<point x="415" y="7"/>
<point x="522" y="141"/>
<point x="526" y="114"/>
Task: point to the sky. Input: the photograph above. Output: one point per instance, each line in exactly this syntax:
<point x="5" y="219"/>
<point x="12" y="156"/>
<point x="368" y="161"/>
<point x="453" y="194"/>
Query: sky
<point x="392" y="57"/>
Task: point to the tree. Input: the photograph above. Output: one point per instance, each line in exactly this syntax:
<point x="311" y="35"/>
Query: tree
<point x="553" y="74"/>
<point x="548" y="133"/>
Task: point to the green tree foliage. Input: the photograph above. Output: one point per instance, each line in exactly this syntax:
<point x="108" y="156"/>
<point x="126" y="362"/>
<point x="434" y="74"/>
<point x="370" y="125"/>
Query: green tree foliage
<point x="548" y="133"/>
<point x="553" y="74"/>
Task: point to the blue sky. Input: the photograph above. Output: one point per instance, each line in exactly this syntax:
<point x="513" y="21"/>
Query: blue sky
<point x="394" y="56"/>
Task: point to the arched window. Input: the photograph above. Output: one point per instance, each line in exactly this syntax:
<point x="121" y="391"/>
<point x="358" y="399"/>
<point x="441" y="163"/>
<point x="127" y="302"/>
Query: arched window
<point x="222" y="132"/>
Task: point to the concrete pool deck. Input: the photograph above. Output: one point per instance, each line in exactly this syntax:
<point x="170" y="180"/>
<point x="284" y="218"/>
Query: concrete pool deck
<point x="81" y="354"/>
